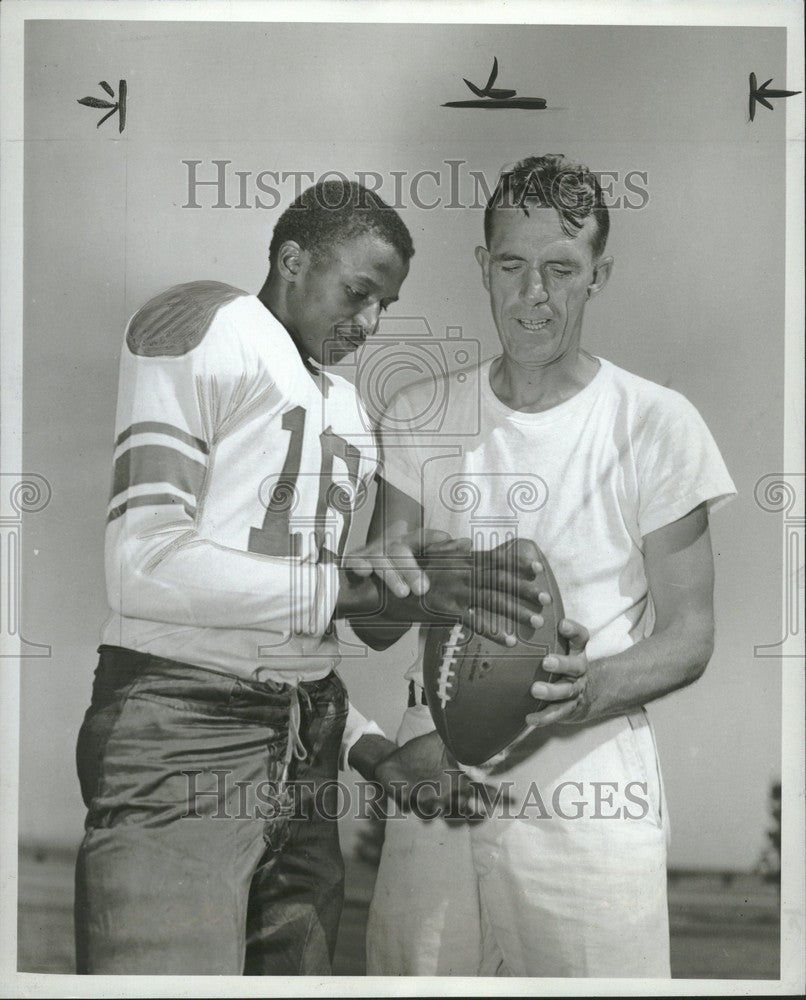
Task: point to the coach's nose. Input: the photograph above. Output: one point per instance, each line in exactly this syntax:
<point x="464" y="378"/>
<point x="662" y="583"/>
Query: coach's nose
<point x="533" y="290"/>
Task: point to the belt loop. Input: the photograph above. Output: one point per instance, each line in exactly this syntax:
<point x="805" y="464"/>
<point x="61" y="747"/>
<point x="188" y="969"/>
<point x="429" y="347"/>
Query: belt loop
<point x="413" y="694"/>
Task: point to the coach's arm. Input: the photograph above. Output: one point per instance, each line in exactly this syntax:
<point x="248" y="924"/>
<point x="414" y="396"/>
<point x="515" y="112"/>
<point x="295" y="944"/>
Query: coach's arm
<point x="679" y="569"/>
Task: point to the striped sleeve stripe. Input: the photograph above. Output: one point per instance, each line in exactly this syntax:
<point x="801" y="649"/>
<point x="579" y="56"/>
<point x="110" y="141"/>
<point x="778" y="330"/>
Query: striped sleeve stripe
<point x="160" y="440"/>
<point x="157" y="464"/>
<point x="148" y="489"/>
<point x="155" y="427"/>
<point x="151" y="500"/>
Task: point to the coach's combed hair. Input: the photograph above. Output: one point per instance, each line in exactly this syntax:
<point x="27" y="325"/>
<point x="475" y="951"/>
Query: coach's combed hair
<point x="335" y="211"/>
<point x="552" y="181"/>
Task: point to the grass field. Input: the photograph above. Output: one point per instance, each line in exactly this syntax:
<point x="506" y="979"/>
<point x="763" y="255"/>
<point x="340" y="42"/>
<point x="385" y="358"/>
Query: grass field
<point x="722" y="926"/>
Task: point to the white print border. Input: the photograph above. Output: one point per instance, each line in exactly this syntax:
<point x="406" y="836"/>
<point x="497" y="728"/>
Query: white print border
<point x="744" y="13"/>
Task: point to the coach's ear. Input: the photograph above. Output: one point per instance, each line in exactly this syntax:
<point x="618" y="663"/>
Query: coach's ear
<point x="291" y="260"/>
<point x="601" y="274"/>
<point x="483" y="257"/>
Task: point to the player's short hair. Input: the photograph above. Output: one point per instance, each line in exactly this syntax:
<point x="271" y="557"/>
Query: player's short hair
<point x="552" y="181"/>
<point x="333" y="212"/>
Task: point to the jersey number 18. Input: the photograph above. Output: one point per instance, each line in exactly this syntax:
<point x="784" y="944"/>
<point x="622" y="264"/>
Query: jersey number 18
<point x="275" y="537"/>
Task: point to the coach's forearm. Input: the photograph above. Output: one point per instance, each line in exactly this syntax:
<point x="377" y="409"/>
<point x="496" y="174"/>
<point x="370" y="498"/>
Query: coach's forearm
<point x="667" y="660"/>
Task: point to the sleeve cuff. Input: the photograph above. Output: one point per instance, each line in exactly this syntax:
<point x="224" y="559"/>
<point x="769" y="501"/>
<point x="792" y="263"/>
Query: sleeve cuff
<point x="352" y="734"/>
<point x="325" y="598"/>
<point x="714" y="497"/>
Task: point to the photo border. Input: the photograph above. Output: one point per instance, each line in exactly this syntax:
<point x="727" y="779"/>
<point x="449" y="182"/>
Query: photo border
<point x="14" y="14"/>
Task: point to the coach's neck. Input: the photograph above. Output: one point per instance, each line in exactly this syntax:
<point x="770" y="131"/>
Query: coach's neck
<point x="533" y="388"/>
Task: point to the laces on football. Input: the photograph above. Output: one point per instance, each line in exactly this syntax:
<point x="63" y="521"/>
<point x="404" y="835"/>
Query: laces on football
<point x="446" y="672"/>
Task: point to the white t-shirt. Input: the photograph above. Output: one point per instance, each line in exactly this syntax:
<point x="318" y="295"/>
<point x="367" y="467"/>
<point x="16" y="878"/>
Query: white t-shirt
<point x="587" y="480"/>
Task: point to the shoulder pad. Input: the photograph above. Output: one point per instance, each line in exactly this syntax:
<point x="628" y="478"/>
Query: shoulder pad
<point x="175" y="321"/>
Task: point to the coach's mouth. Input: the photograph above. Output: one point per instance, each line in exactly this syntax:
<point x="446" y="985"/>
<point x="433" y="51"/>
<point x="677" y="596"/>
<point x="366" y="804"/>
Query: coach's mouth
<point x="533" y="325"/>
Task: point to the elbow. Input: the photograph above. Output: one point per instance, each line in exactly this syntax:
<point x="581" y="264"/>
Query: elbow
<point x="120" y="586"/>
<point x="701" y="637"/>
<point x="127" y="596"/>
<point x="126" y="586"/>
<point x="374" y="642"/>
<point x="131" y="592"/>
<point x="377" y="638"/>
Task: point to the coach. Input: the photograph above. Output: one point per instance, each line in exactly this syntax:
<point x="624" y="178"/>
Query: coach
<point x="572" y="881"/>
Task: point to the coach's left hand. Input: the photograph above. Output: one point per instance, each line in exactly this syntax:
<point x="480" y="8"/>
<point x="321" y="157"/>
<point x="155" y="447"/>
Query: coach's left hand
<point x="566" y="696"/>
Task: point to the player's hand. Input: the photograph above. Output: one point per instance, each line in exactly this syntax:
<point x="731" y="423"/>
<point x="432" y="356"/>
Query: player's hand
<point x="566" y="696"/>
<point x="492" y="591"/>
<point x="423" y="778"/>
<point x="396" y="558"/>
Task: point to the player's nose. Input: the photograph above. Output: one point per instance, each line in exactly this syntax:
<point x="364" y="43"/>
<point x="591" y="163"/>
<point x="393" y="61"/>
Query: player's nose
<point x="369" y="318"/>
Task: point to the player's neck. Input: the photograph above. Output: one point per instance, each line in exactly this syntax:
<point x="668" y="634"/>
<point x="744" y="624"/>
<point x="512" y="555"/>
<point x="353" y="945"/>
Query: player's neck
<point x="271" y="297"/>
<point x="533" y="390"/>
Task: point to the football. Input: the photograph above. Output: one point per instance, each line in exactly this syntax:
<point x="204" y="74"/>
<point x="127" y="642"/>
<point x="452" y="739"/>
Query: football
<point x="479" y="692"/>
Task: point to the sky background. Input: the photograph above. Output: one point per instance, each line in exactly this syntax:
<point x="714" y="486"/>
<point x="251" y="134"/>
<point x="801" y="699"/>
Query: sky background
<point x="695" y="302"/>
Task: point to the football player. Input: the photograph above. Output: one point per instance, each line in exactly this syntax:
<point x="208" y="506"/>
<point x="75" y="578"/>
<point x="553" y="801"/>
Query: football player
<point x="209" y="750"/>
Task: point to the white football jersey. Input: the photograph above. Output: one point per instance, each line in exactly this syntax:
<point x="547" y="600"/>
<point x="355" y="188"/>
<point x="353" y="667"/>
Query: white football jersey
<point x="237" y="471"/>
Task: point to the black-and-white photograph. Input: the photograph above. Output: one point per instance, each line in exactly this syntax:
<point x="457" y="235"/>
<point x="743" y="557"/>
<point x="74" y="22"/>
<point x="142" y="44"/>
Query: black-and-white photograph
<point x="402" y="498"/>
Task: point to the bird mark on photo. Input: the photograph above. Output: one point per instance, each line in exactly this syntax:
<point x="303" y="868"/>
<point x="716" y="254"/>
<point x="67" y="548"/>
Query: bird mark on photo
<point x="119" y="105"/>
<point x="497" y="97"/>
<point x="761" y="95"/>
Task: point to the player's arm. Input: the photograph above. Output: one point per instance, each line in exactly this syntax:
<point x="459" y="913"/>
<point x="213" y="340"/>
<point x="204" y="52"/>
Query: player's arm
<point x="183" y="386"/>
<point x="165" y="569"/>
<point x="422" y="575"/>
<point x="376" y="600"/>
<point x="381" y="613"/>
<point x="680" y="573"/>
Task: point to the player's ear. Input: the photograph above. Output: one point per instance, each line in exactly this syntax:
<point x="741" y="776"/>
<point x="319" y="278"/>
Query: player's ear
<point x="483" y="257"/>
<point x="290" y="260"/>
<point x="601" y="274"/>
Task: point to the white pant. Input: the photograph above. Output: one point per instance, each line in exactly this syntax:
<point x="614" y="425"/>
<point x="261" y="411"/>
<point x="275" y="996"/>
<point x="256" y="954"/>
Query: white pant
<point x="575" y="886"/>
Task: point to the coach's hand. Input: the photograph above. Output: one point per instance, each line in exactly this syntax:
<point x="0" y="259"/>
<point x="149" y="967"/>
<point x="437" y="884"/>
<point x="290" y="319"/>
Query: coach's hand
<point x="566" y="696"/>
<point x="423" y="778"/>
